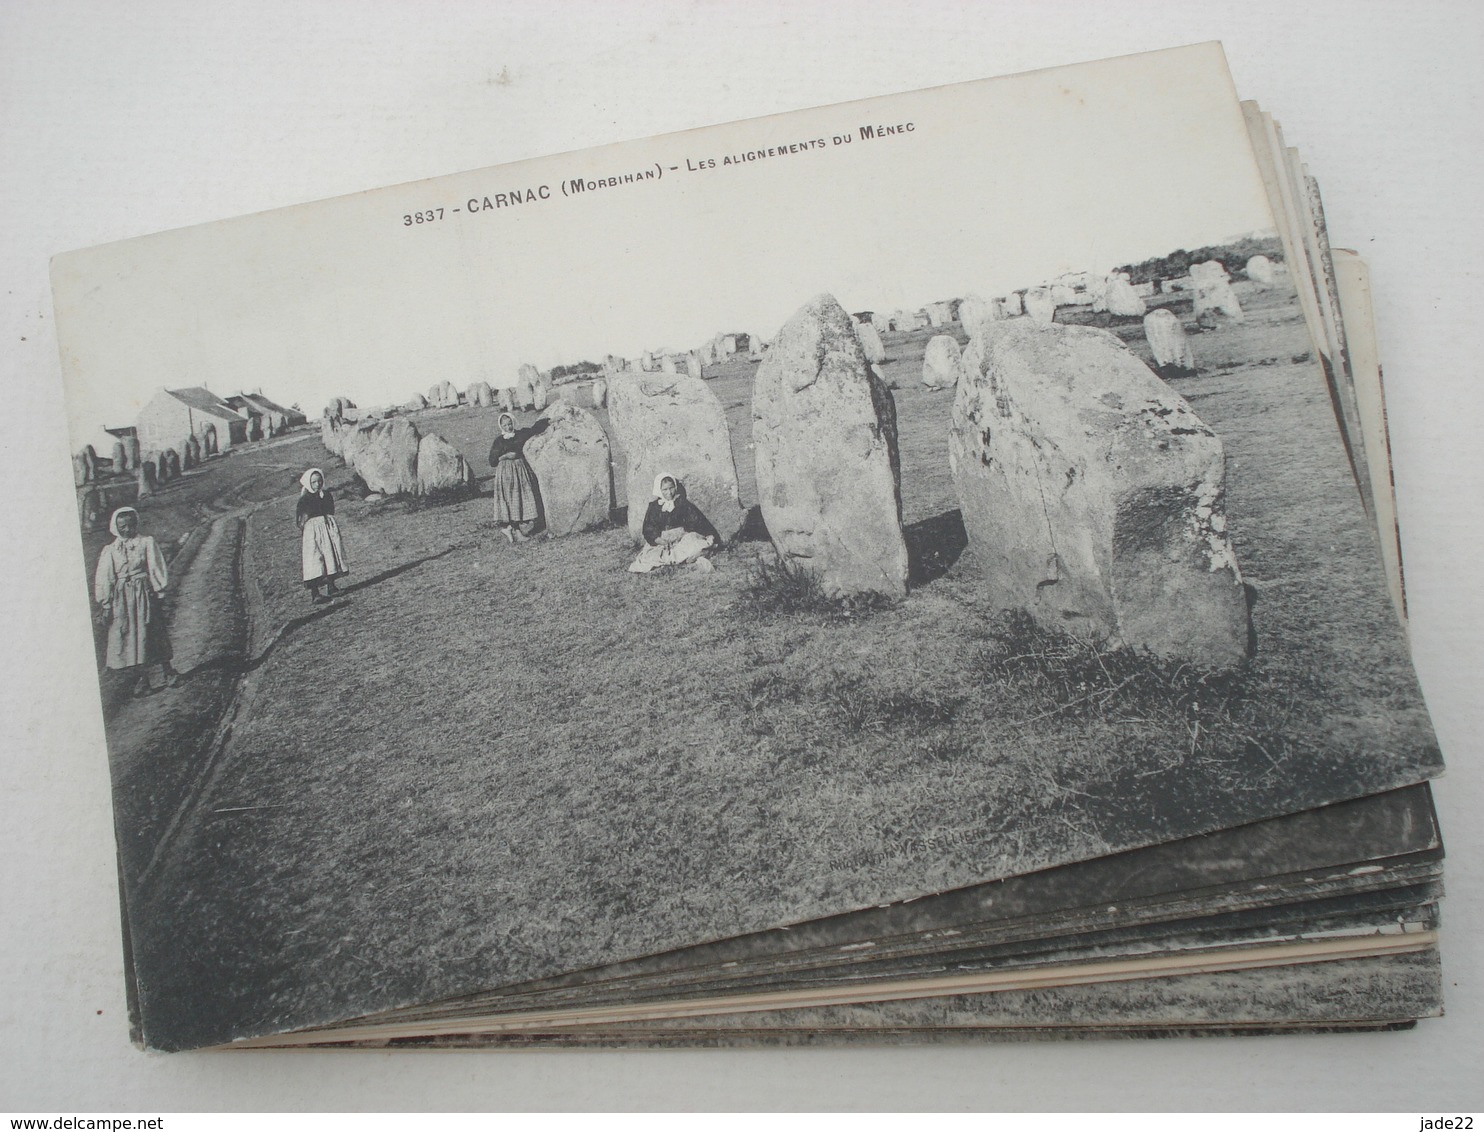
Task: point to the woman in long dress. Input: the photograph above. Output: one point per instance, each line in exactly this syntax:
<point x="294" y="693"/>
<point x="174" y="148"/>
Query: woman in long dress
<point x="675" y="531"/>
<point x="516" y="507"/>
<point x="128" y="585"/>
<point x="322" y="550"/>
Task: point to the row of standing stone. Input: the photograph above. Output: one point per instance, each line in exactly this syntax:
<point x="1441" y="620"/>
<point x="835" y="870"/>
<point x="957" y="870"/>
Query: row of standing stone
<point x="149" y="470"/>
<point x="533" y="390"/>
<point x="394" y="457"/>
<point x="1092" y="495"/>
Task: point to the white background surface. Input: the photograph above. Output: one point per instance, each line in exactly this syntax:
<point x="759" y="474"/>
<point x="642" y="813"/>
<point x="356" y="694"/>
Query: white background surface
<point x="119" y="120"/>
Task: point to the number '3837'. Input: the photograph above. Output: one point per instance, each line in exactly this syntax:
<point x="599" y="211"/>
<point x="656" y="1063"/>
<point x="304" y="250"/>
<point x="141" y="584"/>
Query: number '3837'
<point x="411" y="218"/>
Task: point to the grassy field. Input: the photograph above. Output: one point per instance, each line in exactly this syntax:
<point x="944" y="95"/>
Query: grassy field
<point x="489" y="763"/>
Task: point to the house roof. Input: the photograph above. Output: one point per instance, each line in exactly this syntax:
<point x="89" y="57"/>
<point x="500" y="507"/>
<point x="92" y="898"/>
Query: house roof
<point x="271" y="406"/>
<point x="203" y="400"/>
<point x="259" y="403"/>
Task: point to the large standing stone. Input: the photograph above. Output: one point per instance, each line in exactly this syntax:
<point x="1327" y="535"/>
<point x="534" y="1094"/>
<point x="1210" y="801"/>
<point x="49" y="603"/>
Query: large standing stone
<point x="88" y="459"/>
<point x="573" y="470"/>
<point x="386" y="456"/>
<point x="871" y="344"/>
<point x="693" y="364"/>
<point x="508" y="399"/>
<point x="1039" y="305"/>
<point x="974" y="314"/>
<point x="131" y="451"/>
<point x="120" y="457"/>
<point x="353" y="437"/>
<point x="90" y="509"/>
<point x="674" y="423"/>
<point x="79" y="470"/>
<point x="442" y="395"/>
<point x="1120" y="297"/>
<point x="480" y="394"/>
<point x="441" y="468"/>
<point x="1098" y="293"/>
<point x="1213" y="290"/>
<point x="145" y="473"/>
<point x="1260" y="270"/>
<point x="940" y="362"/>
<point x="598" y="391"/>
<point x="828" y="474"/>
<point x="171" y="459"/>
<point x="192" y="450"/>
<point x="415" y="404"/>
<point x="329" y="435"/>
<point x="667" y="364"/>
<point x="1167" y="342"/>
<point x="1012" y="305"/>
<point x="1094" y="498"/>
<point x="527" y="378"/>
<point x="208" y="440"/>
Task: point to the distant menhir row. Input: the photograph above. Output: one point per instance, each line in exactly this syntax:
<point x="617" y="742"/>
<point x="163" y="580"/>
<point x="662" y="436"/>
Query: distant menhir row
<point x="1092" y="495"/>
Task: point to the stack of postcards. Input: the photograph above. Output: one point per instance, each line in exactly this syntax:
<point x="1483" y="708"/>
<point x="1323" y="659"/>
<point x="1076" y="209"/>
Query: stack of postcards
<point x="922" y="569"/>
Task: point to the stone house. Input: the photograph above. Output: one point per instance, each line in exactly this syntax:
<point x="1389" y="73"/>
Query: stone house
<point x="171" y="415"/>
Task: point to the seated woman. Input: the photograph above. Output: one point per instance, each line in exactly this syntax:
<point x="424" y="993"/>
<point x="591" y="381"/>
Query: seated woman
<point x="128" y="585"/>
<point x="516" y="509"/>
<point x="675" y="531"/>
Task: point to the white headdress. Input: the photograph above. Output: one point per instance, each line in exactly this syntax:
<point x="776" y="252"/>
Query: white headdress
<point x="113" y="520"/>
<point x="667" y="504"/>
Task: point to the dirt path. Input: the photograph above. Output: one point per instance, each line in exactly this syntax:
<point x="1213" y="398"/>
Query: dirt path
<point x="162" y="748"/>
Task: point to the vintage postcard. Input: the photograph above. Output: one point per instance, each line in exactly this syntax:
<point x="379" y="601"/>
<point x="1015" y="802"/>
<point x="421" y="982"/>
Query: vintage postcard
<point x="546" y="567"/>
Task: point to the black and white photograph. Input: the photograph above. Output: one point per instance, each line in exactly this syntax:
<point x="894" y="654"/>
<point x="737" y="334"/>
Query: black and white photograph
<point x="922" y="572"/>
<point x="536" y="569"/>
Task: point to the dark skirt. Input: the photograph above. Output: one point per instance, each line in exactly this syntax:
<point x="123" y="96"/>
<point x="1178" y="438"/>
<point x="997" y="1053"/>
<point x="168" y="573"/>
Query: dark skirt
<point x="515" y="491"/>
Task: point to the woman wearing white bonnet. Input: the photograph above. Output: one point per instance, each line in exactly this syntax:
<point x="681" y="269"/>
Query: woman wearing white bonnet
<point x="130" y="581"/>
<point x="675" y="531"/>
<point x="322" y="550"/>
<point x="516" y="507"/>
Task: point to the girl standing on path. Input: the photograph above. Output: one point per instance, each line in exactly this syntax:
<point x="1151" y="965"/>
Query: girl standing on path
<point x="516" y="509"/>
<point x="130" y="581"/>
<point x="322" y="551"/>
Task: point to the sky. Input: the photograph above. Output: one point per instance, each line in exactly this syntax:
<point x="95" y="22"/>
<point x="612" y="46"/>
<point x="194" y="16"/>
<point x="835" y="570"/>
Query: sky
<point x="997" y="185"/>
